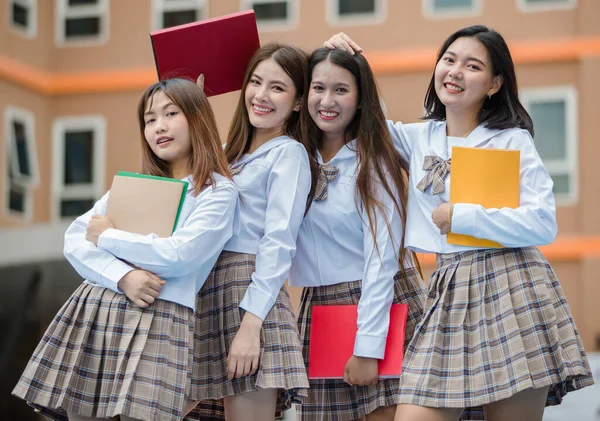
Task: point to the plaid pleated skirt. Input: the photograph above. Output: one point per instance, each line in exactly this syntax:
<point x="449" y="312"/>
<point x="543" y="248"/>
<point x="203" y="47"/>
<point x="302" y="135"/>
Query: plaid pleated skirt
<point x="336" y="400"/>
<point x="497" y="323"/>
<point x="103" y="356"/>
<point x="218" y="318"/>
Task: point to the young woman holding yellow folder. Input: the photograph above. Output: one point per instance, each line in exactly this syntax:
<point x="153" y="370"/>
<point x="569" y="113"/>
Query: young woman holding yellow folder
<point x="121" y="347"/>
<point x="497" y="331"/>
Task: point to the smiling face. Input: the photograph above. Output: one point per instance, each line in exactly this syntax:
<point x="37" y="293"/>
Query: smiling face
<point x="166" y="130"/>
<point x="332" y="98"/>
<point x="270" y="98"/>
<point x="464" y="78"/>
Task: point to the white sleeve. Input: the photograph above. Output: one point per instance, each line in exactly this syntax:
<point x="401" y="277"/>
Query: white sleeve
<point x="533" y="223"/>
<point x="400" y="137"/>
<point x="288" y="186"/>
<point x="204" y="234"/>
<point x="377" y="292"/>
<point x="89" y="261"/>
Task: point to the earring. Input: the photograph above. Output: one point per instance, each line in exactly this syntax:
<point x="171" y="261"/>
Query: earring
<point x="490" y="96"/>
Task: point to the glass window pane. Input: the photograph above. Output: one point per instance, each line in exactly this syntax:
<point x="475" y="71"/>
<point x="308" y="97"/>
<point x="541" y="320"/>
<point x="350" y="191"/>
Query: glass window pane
<point x="561" y="183"/>
<point x="75" y="207"/>
<point x="83" y="2"/>
<point x="271" y="11"/>
<point x="452" y="4"/>
<point x="79" y="157"/>
<point x="178" y="18"/>
<point x="76" y="27"/>
<point x="16" y="199"/>
<point x="549" y="123"/>
<point x="20" y="15"/>
<point x="350" y="7"/>
<point x="22" y="152"/>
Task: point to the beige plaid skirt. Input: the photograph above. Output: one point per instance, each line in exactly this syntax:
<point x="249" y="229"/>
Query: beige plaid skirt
<point x="218" y="318"/>
<point x="103" y="356"/>
<point x="330" y="400"/>
<point x="497" y="323"/>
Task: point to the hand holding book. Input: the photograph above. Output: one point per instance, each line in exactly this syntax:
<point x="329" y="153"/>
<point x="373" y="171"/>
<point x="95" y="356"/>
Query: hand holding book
<point x="97" y="225"/>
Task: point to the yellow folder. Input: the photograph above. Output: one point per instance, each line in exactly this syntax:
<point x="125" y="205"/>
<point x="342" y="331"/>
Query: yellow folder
<point x="487" y="177"/>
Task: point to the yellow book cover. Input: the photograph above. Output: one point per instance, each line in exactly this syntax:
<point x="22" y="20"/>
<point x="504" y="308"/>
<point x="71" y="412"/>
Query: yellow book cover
<point x="487" y="177"/>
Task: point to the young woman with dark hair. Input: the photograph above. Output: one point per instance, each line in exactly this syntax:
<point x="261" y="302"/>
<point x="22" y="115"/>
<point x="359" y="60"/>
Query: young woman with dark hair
<point x="497" y="331"/>
<point x="350" y="245"/>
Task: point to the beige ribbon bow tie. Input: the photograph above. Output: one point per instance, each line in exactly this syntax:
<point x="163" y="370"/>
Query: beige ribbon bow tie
<point x="437" y="170"/>
<point x="326" y="174"/>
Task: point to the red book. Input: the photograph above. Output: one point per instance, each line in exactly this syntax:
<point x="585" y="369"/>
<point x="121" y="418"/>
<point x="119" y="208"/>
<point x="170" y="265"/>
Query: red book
<point x="220" y="48"/>
<point x="332" y="335"/>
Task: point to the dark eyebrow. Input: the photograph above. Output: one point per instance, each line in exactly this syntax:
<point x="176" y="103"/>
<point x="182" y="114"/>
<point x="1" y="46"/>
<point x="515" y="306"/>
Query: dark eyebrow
<point x="167" y="105"/>
<point x="338" y="84"/>
<point x="254" y="75"/>
<point x="468" y="58"/>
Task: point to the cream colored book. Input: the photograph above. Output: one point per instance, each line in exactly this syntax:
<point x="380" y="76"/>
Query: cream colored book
<point x="145" y="204"/>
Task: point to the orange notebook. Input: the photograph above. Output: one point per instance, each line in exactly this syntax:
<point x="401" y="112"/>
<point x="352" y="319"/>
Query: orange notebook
<point x="220" y="48"/>
<point x="332" y="336"/>
<point x="488" y="177"/>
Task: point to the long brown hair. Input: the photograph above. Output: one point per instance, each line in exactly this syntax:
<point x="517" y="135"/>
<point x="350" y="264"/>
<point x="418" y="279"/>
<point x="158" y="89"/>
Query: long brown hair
<point x="207" y="152"/>
<point x="293" y="61"/>
<point x="378" y="160"/>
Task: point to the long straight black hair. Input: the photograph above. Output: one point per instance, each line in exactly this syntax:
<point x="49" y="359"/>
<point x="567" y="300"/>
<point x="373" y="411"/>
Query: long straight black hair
<point x="503" y="110"/>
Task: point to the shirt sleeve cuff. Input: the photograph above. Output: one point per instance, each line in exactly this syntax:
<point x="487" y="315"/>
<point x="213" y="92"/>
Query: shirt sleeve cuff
<point x="109" y="241"/>
<point x="369" y="346"/>
<point x="113" y="274"/>
<point x="257" y="302"/>
<point x="463" y="219"/>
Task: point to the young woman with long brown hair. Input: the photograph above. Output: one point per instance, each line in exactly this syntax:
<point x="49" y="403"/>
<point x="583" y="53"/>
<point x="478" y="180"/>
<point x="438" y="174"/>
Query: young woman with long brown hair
<point x="121" y="346"/>
<point x="350" y="245"/>
<point x="246" y="325"/>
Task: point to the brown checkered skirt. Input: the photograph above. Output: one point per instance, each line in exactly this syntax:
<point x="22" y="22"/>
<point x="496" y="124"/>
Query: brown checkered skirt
<point x="103" y="356"/>
<point x="334" y="399"/>
<point x="497" y="323"/>
<point x="218" y="318"/>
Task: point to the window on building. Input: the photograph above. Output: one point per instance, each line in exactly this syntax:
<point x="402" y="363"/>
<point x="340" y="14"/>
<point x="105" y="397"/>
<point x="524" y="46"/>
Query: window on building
<point x="554" y="115"/>
<point x="451" y="8"/>
<point x="22" y="172"/>
<point x="82" y="21"/>
<point x="168" y="13"/>
<point x="355" y="11"/>
<point x="273" y="14"/>
<point x="543" y="5"/>
<point x="78" y="164"/>
<point x="23" y="16"/>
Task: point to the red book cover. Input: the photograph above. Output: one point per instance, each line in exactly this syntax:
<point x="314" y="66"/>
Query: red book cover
<point x="332" y="335"/>
<point x="220" y="48"/>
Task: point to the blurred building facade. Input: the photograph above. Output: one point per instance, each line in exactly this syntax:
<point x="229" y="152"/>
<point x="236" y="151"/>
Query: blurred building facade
<point x="71" y="72"/>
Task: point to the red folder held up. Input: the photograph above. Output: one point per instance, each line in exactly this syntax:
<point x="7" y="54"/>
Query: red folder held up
<point x="332" y="336"/>
<point x="220" y="48"/>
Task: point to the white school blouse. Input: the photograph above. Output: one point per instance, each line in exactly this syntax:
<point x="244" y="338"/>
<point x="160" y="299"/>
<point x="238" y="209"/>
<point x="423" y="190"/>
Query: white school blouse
<point x="335" y="245"/>
<point x="533" y="223"/>
<point x="184" y="259"/>
<point x="274" y="182"/>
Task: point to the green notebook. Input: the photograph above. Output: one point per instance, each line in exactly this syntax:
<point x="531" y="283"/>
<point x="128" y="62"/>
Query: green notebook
<point x="145" y="204"/>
